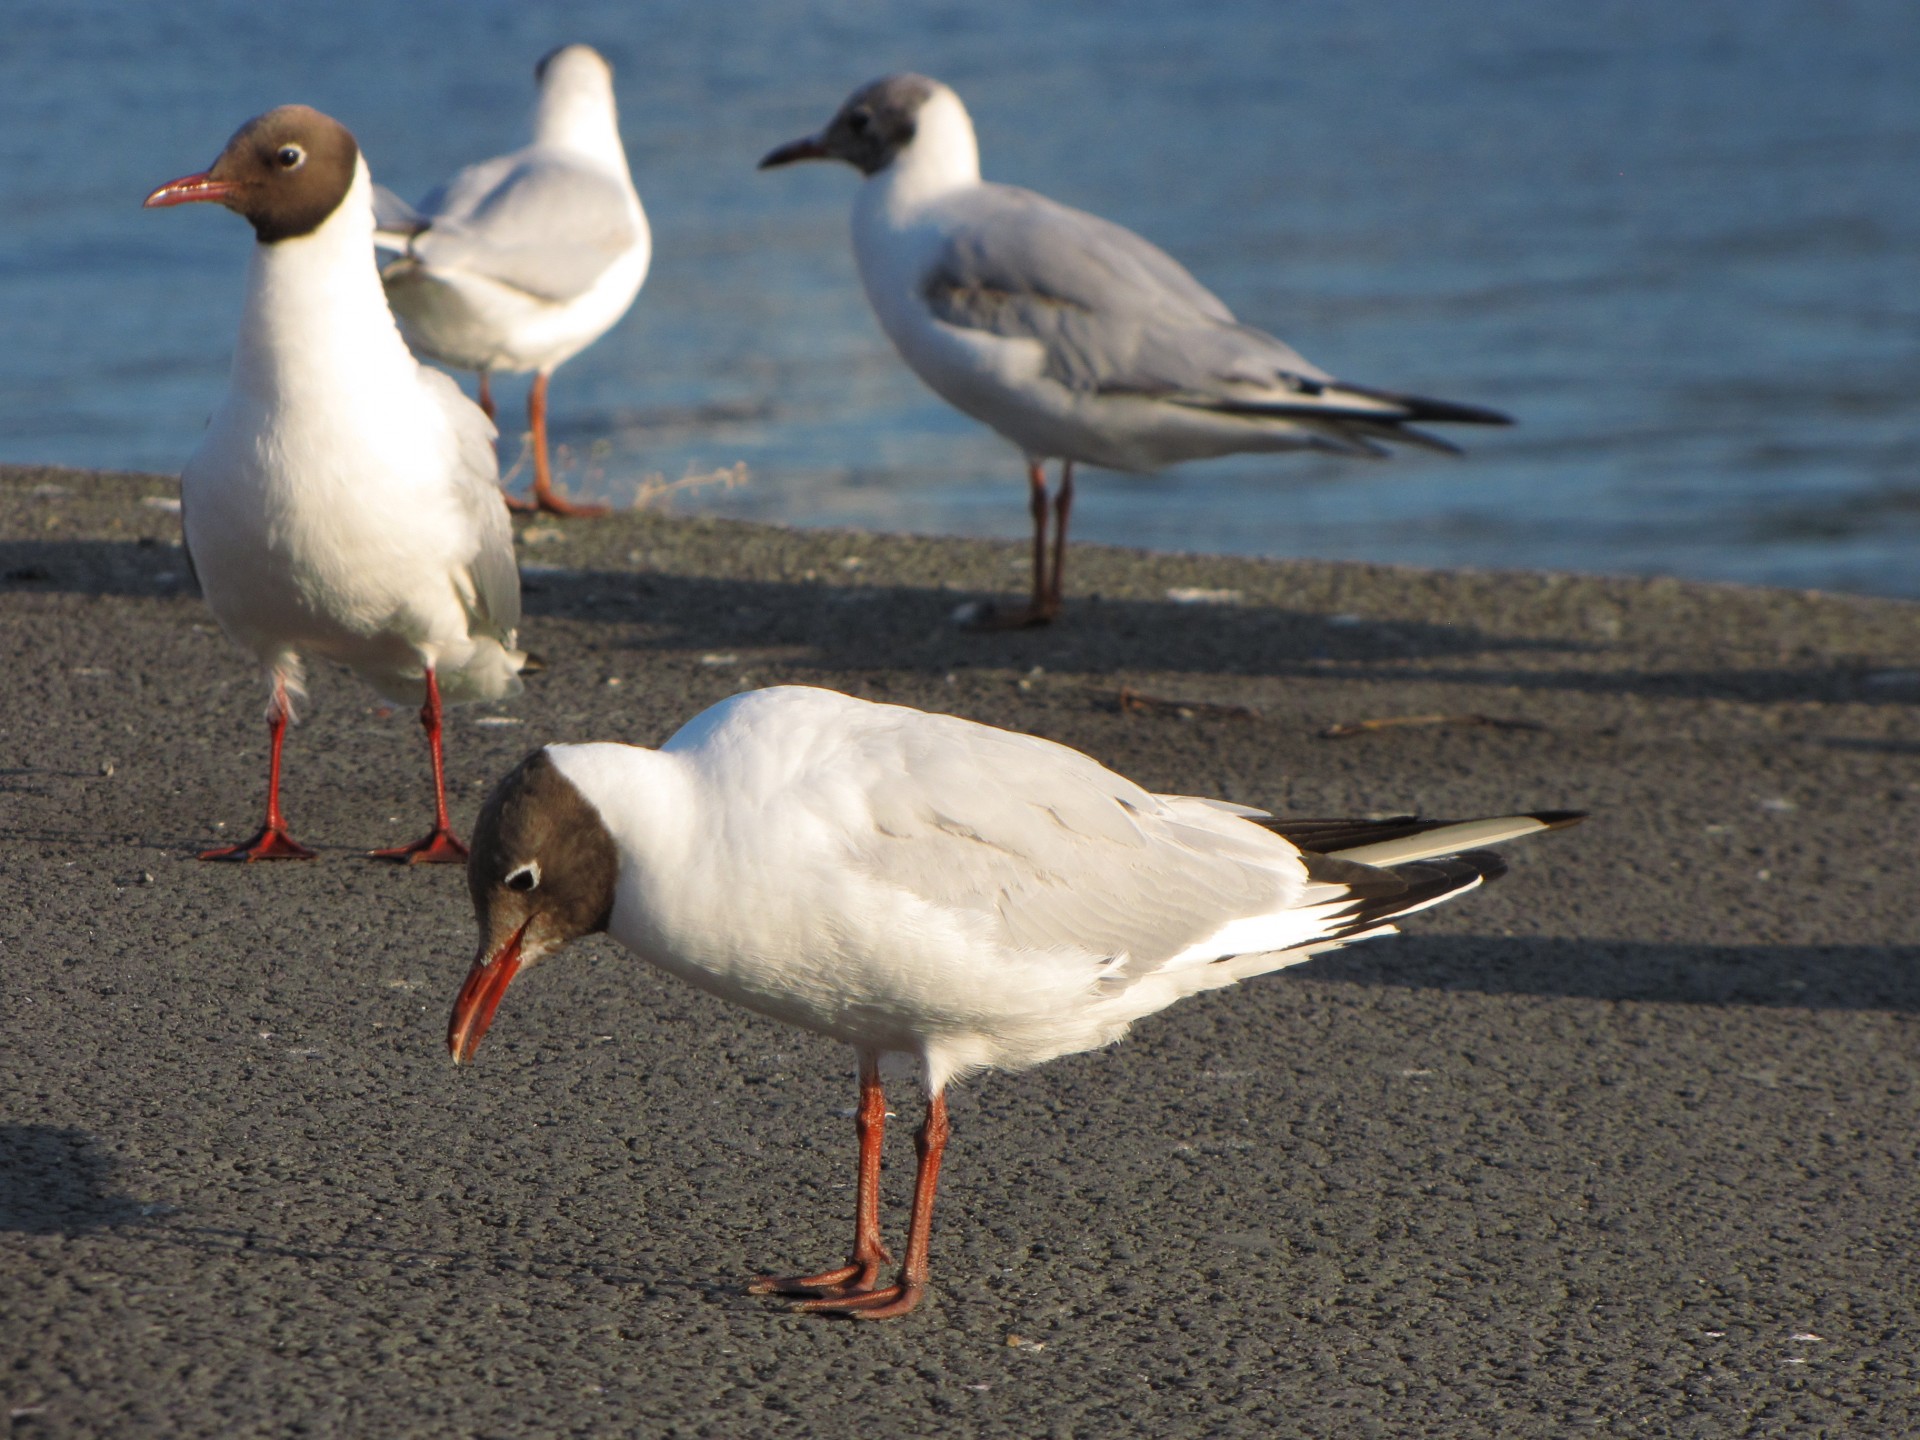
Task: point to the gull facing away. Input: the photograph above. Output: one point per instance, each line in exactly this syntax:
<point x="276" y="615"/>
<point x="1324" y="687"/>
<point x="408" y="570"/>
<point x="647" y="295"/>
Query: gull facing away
<point x="522" y="261"/>
<point x="344" y="500"/>
<point x="922" y="885"/>
<point x="1074" y="338"/>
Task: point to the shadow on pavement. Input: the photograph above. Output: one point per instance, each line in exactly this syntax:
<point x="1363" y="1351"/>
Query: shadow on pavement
<point x="911" y="627"/>
<point x="54" y="1181"/>
<point x="1812" y="977"/>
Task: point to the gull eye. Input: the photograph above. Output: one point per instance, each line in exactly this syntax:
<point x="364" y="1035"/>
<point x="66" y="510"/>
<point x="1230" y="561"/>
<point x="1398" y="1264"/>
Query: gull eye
<point x="526" y="877"/>
<point x="290" y="157"/>
<point x="858" y="121"/>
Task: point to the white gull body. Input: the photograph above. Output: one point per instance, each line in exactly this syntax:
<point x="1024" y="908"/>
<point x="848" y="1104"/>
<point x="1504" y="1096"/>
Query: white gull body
<point x="522" y="261"/>
<point x="344" y="500"/>
<point x="920" y="884"/>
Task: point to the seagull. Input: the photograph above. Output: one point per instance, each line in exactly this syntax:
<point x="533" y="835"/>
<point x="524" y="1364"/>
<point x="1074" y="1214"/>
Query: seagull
<point x="1074" y="338"/>
<point x="522" y="261"/>
<point x="344" y="499"/>
<point x="922" y="885"/>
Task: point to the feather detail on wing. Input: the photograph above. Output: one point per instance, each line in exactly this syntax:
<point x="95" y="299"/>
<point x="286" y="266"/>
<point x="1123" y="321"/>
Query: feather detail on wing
<point x="536" y="221"/>
<point x="1117" y="316"/>
<point x="1060" y="854"/>
<point x="495" y="573"/>
<point x="1404" y="838"/>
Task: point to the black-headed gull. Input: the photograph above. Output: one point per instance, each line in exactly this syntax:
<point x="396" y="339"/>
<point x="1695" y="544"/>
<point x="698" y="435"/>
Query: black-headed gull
<point x="522" y="261"/>
<point x="1074" y="338"/>
<point x="922" y="885"/>
<point x="345" y="498"/>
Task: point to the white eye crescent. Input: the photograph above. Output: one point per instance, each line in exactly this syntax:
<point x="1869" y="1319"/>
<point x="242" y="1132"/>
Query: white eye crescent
<point x="290" y="157"/>
<point x="527" y="877"/>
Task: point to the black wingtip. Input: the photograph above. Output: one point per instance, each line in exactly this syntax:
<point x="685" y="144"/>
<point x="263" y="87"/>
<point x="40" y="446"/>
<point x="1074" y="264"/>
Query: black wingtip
<point x="1425" y="407"/>
<point x="1490" y="863"/>
<point x="1422" y="882"/>
<point x="1557" y="819"/>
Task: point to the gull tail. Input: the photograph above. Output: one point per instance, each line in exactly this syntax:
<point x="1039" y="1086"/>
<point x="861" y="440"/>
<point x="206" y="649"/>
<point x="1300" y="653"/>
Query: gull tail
<point x="1420" y="407"/>
<point x="1376" y="896"/>
<point x="395" y="222"/>
<point x="1403" y="839"/>
<point x="1390" y="868"/>
<point x="1356" y="419"/>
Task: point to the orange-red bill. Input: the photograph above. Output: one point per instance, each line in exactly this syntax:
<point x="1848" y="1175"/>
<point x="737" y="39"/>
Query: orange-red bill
<point x="187" y="189"/>
<point x="486" y="983"/>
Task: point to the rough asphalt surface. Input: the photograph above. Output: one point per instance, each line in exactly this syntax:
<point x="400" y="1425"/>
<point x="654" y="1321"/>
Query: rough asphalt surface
<point x="1624" y="1145"/>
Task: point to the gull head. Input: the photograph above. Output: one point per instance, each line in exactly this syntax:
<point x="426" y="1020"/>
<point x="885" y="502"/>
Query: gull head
<point x="285" y="171"/>
<point x="567" y="65"/>
<point x="575" y="109"/>
<point x="541" y="873"/>
<point x="877" y="122"/>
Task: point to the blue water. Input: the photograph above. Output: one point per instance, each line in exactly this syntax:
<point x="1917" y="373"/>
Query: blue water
<point x="1680" y="242"/>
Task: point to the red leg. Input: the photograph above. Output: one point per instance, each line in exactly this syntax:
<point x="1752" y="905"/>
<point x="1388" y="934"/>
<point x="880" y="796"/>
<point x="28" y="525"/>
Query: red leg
<point x="544" y="495"/>
<point x="518" y="506"/>
<point x="1037" y="506"/>
<point x="861" y="1273"/>
<point x="273" y="842"/>
<point x="440" y="846"/>
<point x="910" y="1284"/>
<point x="1062" y="506"/>
<point x="1037" y="611"/>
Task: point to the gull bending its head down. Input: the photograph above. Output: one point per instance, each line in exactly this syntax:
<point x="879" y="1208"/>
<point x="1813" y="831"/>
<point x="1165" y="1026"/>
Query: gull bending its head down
<point x="926" y="886"/>
<point x="1072" y="337"/>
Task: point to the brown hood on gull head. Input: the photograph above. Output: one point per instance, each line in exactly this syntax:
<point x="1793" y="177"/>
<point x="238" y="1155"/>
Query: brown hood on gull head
<point x="542" y="873"/>
<point x="286" y="171"/>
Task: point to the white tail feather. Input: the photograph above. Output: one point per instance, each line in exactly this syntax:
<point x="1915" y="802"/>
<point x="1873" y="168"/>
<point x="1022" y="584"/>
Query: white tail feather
<point x="1448" y="840"/>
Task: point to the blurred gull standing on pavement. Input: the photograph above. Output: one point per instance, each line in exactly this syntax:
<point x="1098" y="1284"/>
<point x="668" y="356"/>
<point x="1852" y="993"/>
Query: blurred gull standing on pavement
<point x="522" y="261"/>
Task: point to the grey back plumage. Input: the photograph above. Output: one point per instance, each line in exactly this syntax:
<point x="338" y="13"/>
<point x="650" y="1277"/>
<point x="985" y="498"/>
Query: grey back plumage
<point x="1115" y="313"/>
<point x="539" y="222"/>
<point x="1066" y="855"/>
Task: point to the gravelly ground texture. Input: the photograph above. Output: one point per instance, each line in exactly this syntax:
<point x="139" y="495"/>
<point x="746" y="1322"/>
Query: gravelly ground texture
<point x="1624" y="1145"/>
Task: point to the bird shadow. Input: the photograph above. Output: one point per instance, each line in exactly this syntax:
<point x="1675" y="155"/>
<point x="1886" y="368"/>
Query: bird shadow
<point x="911" y="628"/>
<point x="161" y="1227"/>
<point x="1811" y="977"/>
<point x="144" y="567"/>
<point x="55" y="1181"/>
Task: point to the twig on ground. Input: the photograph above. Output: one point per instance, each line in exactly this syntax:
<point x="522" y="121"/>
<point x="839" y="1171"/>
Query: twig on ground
<point x="657" y="487"/>
<point x="1129" y="701"/>
<point x="1347" y="729"/>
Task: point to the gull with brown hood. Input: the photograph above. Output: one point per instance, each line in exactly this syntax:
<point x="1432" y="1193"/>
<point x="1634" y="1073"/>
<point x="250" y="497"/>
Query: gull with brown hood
<point x="923" y="886"/>
<point x="344" y="501"/>
<point x="1073" y="337"/>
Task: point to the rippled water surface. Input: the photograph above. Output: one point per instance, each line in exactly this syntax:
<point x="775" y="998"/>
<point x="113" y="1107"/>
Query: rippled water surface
<point x="1678" y="242"/>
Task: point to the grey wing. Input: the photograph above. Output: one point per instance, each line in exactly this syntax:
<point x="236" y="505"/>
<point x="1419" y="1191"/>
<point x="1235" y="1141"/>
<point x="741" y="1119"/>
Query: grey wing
<point x="1061" y="853"/>
<point x="1118" y="316"/>
<point x="1114" y="312"/>
<point x="535" y="221"/>
<point x="394" y="220"/>
<point x="495" y="572"/>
